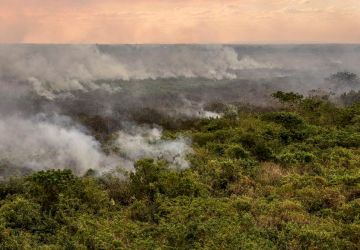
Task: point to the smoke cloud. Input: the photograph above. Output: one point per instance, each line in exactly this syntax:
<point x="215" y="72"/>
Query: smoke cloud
<point x="40" y="143"/>
<point x="51" y="70"/>
<point x="56" y="69"/>
<point x="143" y="142"/>
<point x="44" y="142"/>
<point x="60" y="104"/>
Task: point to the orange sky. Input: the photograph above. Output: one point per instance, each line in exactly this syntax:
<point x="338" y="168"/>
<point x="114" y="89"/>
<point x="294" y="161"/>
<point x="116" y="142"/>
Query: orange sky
<point x="175" y="21"/>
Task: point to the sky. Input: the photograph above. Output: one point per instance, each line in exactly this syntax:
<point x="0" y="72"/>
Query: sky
<point x="175" y="21"/>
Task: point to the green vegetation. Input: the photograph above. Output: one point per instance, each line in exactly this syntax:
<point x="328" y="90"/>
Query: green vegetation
<point x="283" y="179"/>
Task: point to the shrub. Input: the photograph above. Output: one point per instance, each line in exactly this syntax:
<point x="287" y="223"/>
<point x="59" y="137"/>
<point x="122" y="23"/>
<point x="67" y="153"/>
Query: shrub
<point x="236" y="151"/>
<point x="216" y="148"/>
<point x="144" y="181"/>
<point x="287" y="97"/>
<point x="20" y="213"/>
<point x="262" y="152"/>
<point x="45" y="186"/>
<point x="297" y="157"/>
<point x="288" y="119"/>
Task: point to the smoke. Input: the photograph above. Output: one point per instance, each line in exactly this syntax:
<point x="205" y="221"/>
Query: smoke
<point x="191" y="109"/>
<point x="43" y="143"/>
<point x="52" y="70"/>
<point x="207" y="61"/>
<point x="57" y="69"/>
<point x="103" y="87"/>
<point x="144" y="142"/>
<point x="56" y="142"/>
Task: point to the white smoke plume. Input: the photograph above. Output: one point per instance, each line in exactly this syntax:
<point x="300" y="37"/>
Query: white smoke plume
<point x="144" y="142"/>
<point x="206" y="61"/>
<point x="52" y="70"/>
<point x="192" y="109"/>
<point x="57" y="69"/>
<point x="40" y="143"/>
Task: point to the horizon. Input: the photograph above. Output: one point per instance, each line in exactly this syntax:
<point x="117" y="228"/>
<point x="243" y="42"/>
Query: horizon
<point x="186" y="44"/>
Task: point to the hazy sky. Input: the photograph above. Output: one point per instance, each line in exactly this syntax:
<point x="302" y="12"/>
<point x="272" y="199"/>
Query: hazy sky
<point x="175" y="21"/>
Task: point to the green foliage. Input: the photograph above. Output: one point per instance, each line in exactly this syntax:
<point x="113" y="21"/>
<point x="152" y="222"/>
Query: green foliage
<point x="20" y="213"/>
<point x="285" y="179"/>
<point x="295" y="158"/>
<point x="237" y="151"/>
<point x="47" y="185"/>
<point x="287" y="97"/>
<point x="145" y="180"/>
<point x="286" y="119"/>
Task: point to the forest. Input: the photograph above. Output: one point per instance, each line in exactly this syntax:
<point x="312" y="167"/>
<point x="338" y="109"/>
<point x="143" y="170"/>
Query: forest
<point x="285" y="176"/>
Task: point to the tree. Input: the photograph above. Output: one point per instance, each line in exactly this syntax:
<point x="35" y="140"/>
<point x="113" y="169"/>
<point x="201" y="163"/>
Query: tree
<point x="287" y="97"/>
